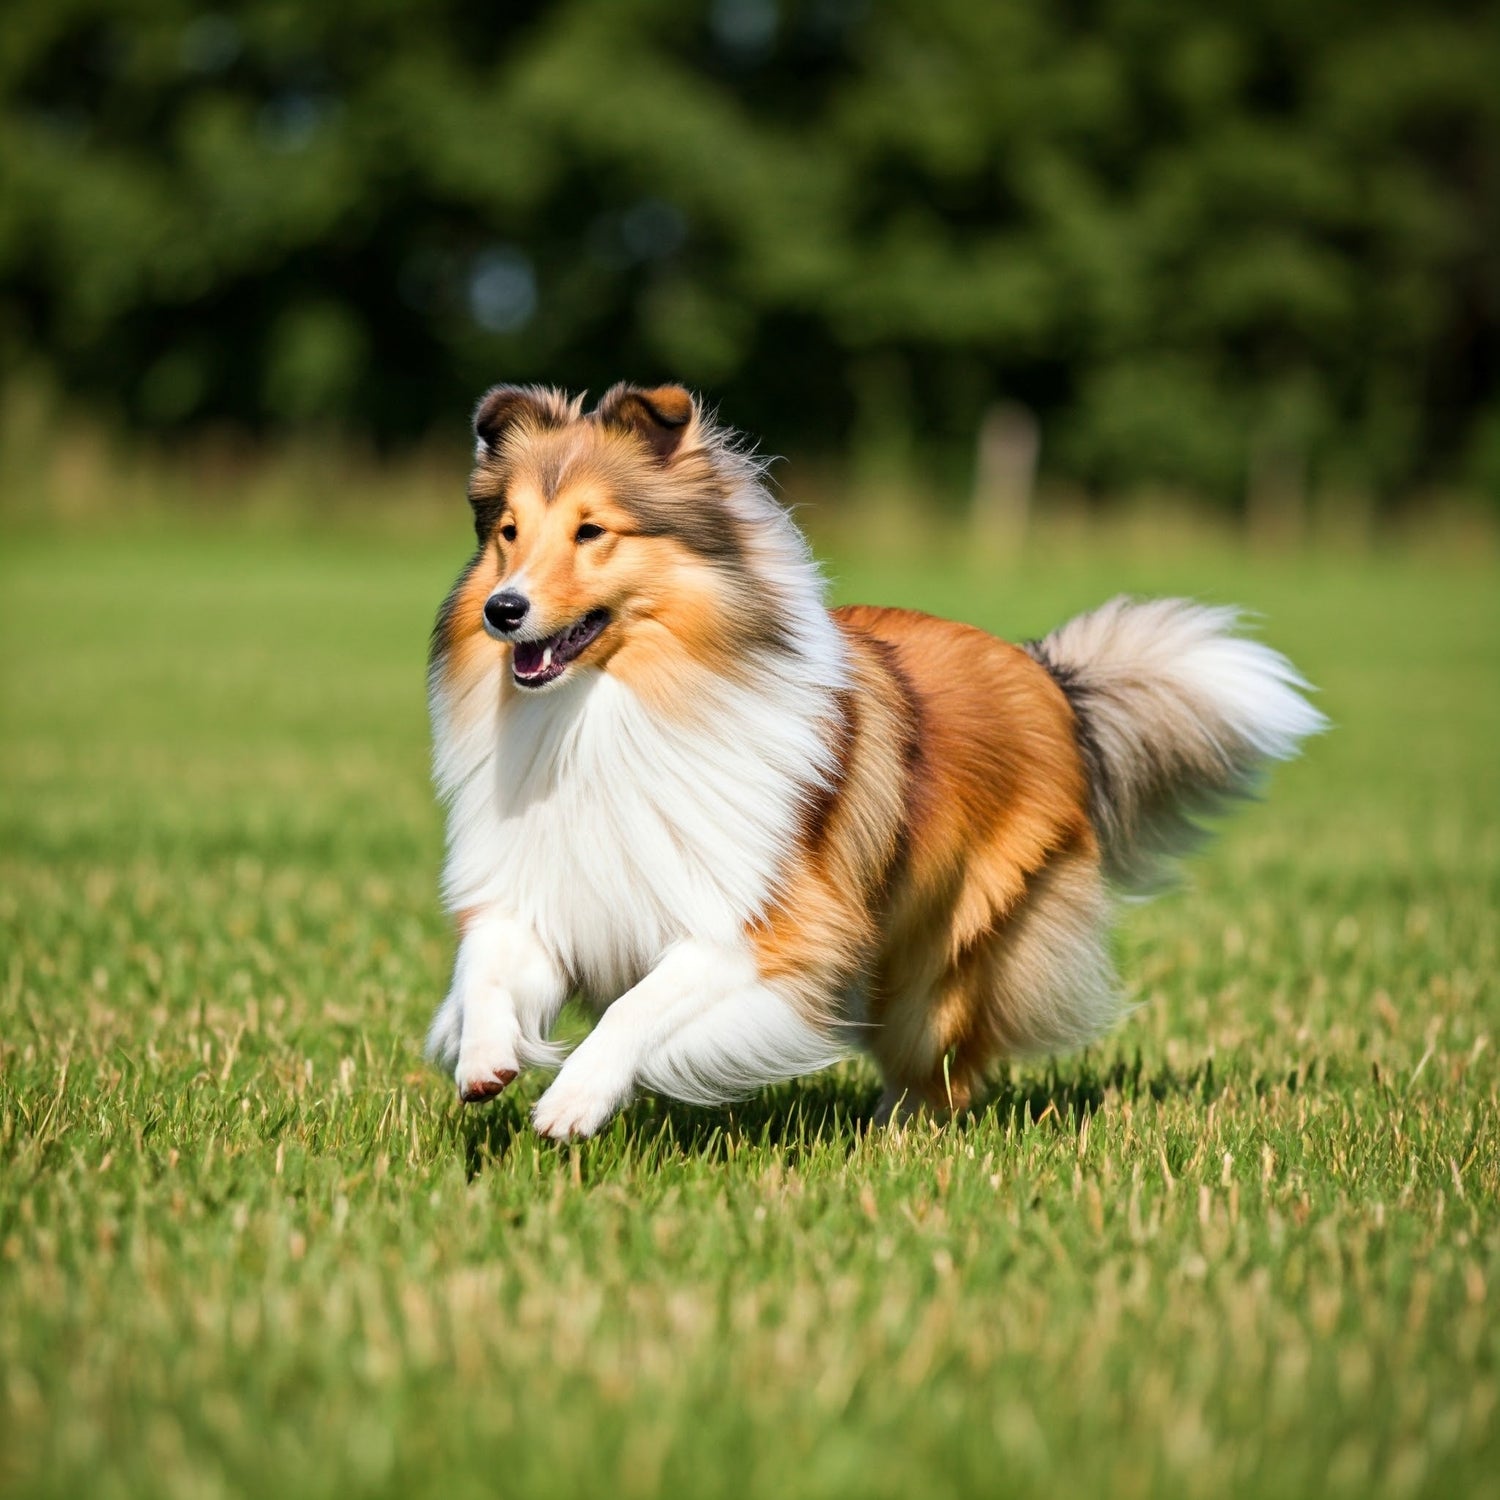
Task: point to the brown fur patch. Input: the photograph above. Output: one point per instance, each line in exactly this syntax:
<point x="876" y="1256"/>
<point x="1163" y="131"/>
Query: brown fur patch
<point x="817" y="938"/>
<point x="459" y="644"/>
<point x="961" y="803"/>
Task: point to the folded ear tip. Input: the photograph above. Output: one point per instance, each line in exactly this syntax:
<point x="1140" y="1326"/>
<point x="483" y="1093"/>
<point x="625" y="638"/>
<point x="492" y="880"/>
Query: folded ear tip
<point x="503" y="405"/>
<point x="494" y="409"/>
<point x="673" y="405"/>
<point x="658" y="416"/>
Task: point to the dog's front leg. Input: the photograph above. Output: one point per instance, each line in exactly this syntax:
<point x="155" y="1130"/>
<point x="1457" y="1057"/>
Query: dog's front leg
<point x="701" y="1026"/>
<point x="506" y="993"/>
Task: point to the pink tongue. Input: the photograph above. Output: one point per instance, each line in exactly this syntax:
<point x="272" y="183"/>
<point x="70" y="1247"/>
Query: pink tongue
<point x="529" y="657"/>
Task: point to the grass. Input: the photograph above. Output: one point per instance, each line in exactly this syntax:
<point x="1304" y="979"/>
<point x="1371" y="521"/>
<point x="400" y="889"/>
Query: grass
<point x="250" y="1245"/>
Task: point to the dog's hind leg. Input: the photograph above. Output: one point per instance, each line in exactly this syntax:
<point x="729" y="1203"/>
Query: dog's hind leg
<point x="1037" y="981"/>
<point x="702" y="1027"/>
<point x="928" y="1059"/>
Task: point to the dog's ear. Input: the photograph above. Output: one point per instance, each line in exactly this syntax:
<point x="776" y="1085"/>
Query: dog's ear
<point x="501" y="409"/>
<point x="503" y="406"/>
<point x="661" y="417"/>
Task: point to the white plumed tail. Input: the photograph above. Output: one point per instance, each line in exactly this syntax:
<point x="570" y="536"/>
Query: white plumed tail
<point x="1178" y="715"/>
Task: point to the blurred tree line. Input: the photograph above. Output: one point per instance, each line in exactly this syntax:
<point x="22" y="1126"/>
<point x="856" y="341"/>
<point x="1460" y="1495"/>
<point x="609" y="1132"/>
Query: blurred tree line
<point x="1197" y="241"/>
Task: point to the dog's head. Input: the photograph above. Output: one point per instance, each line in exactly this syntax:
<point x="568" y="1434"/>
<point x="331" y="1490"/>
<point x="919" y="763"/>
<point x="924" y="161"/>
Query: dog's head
<point x="605" y="536"/>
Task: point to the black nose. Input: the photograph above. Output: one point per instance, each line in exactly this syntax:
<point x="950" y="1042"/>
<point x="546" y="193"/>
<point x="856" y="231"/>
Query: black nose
<point x="505" y="611"/>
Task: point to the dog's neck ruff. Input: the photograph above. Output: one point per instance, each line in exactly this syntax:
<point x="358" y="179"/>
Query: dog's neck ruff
<point x="616" y="829"/>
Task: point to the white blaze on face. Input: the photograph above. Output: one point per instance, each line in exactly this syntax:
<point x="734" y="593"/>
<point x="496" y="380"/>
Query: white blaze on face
<point x="516" y="583"/>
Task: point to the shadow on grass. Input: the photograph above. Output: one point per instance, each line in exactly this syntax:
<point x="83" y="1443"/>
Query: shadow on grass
<point x="792" y="1119"/>
<point x="829" y="1112"/>
<point x="486" y="1132"/>
<point x="1071" y="1092"/>
<point x="816" y="1113"/>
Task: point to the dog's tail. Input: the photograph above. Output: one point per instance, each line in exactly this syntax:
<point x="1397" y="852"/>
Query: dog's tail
<point x="1178" y="715"/>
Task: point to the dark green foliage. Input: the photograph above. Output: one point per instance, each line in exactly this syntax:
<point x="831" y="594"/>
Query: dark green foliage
<point x="1201" y="242"/>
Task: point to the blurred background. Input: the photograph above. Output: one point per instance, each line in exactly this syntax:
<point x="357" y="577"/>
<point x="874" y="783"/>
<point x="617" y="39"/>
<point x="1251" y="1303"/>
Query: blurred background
<point x="1245" y="257"/>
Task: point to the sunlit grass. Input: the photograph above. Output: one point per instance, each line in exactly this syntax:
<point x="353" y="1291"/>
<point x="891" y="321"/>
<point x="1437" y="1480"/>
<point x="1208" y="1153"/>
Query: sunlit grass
<point x="249" y="1244"/>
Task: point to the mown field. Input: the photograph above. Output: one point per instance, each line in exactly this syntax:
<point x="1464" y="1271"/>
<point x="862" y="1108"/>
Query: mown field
<point x="250" y="1245"/>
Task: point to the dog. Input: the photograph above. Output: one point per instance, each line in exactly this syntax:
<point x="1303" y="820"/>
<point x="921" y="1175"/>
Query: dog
<point x="755" y="833"/>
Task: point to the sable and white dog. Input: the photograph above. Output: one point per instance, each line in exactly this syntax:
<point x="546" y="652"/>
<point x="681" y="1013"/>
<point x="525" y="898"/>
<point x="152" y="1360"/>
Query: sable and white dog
<point x="754" y="832"/>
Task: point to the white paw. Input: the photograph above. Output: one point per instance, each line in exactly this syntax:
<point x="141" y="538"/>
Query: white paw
<point x="487" y="1061"/>
<point x="478" y="1081"/>
<point x="582" y="1097"/>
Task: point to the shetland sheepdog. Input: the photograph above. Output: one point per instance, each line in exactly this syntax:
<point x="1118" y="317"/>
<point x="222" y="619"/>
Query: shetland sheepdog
<point x="753" y="832"/>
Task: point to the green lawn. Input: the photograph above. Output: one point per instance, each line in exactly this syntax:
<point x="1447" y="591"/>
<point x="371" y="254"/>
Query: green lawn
<point x="249" y="1244"/>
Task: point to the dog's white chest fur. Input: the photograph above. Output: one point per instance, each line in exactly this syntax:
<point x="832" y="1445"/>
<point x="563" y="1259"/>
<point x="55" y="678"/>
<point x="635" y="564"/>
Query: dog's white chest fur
<point x="615" y="832"/>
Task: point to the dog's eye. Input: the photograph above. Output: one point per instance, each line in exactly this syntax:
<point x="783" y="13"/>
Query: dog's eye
<point x="587" y="532"/>
<point x="508" y="531"/>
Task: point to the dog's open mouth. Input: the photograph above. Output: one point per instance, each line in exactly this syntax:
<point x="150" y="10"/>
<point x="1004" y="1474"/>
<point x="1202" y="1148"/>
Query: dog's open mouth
<point x="536" y="663"/>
